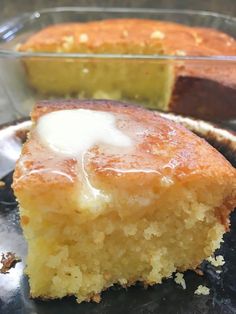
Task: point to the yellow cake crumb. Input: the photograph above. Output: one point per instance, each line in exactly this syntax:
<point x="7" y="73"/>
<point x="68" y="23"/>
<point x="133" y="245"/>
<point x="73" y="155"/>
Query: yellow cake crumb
<point x="85" y="70"/>
<point x="83" y="38"/>
<point x="68" y="42"/>
<point x="125" y="33"/>
<point x="216" y="261"/>
<point x="179" y="279"/>
<point x="180" y="53"/>
<point x="157" y="35"/>
<point x="202" y="290"/>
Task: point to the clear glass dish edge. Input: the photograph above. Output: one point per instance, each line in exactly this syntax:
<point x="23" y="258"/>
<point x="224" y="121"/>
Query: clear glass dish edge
<point x="33" y="15"/>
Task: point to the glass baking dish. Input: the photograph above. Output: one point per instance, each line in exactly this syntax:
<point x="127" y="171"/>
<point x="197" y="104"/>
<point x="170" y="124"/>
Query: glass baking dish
<point x="143" y="79"/>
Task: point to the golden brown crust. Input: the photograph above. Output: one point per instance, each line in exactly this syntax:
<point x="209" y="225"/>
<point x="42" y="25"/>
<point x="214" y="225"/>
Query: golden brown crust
<point x="72" y="37"/>
<point x="167" y="148"/>
<point x="223" y="212"/>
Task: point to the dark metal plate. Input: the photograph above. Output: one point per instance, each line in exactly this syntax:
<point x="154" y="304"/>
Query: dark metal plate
<point x="165" y="298"/>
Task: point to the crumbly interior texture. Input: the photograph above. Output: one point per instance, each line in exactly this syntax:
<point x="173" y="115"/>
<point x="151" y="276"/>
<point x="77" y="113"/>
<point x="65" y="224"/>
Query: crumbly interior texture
<point x="146" y="81"/>
<point x="136" y="237"/>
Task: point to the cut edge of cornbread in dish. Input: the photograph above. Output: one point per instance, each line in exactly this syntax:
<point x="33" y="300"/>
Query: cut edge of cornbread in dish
<point x="126" y="211"/>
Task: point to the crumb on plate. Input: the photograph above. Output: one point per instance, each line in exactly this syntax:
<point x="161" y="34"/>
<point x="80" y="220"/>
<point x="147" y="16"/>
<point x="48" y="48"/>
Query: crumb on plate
<point x="179" y="279"/>
<point x="8" y="261"/>
<point x="202" y="290"/>
<point x="216" y="260"/>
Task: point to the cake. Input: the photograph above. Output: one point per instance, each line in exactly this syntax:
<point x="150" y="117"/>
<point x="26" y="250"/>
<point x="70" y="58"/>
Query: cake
<point x="200" y="88"/>
<point x="111" y="193"/>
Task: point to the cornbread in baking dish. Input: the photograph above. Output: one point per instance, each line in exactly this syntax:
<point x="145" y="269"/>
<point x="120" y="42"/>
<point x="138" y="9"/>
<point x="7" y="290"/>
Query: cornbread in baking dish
<point x="203" y="89"/>
<point x="112" y="193"/>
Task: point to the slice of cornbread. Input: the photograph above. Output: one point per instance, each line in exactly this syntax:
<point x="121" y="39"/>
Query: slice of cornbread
<point x="111" y="193"/>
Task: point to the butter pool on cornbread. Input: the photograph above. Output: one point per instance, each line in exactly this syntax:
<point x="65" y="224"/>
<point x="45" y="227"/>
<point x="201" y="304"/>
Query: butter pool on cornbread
<point x="113" y="193"/>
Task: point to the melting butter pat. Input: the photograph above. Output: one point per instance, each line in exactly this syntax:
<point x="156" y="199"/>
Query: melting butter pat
<point x="73" y="132"/>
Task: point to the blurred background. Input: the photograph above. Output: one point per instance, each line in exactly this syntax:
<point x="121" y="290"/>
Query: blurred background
<point x="11" y="8"/>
